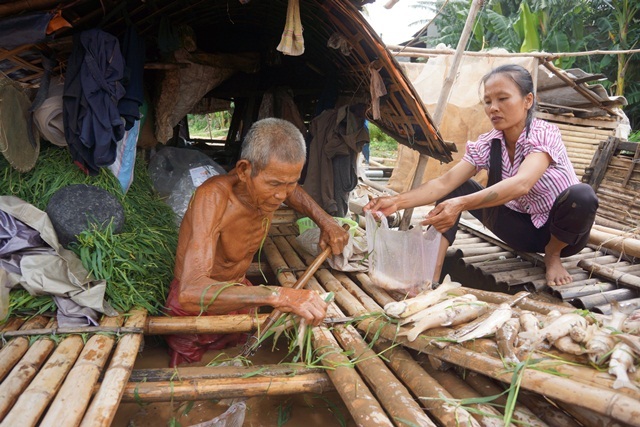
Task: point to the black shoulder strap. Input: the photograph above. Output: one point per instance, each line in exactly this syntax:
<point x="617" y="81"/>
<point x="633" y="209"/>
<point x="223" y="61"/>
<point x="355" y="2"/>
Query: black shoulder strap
<point x="495" y="162"/>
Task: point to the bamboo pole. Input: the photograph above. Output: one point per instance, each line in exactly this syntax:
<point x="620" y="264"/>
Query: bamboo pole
<point x="588" y="418"/>
<point x="443" y="99"/>
<point x="23" y="372"/>
<point x="487" y="257"/>
<point x="363" y="407"/>
<point x="73" y="398"/>
<point x="224" y="324"/>
<point x="448" y="51"/>
<point x="626" y="245"/>
<point x="74" y="330"/>
<point x="12" y="324"/>
<point x="485" y="387"/>
<point x="582" y="290"/>
<point x="381" y="296"/>
<point x="393" y="395"/>
<point x="610" y="274"/>
<point x="608" y="402"/>
<point x="222" y="371"/>
<point x="219" y="388"/>
<point x="34" y="400"/>
<point x="547" y="411"/>
<point x="487" y="416"/>
<point x="105" y="403"/>
<point x="12" y="352"/>
<point x="425" y="387"/>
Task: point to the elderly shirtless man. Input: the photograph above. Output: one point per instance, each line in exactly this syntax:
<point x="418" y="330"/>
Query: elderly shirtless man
<point x="226" y="222"/>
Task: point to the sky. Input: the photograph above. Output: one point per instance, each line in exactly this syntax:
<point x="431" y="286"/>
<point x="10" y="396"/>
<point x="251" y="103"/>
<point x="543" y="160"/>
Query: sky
<point x="394" y="25"/>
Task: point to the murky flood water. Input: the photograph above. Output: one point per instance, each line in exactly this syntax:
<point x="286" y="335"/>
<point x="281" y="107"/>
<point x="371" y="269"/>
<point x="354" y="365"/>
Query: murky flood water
<point x="300" y="410"/>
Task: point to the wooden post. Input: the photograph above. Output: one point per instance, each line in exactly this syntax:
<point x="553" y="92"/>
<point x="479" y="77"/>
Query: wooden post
<point x="442" y="101"/>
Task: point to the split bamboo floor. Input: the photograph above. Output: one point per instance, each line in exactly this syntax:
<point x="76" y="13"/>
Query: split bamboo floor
<point x="480" y="260"/>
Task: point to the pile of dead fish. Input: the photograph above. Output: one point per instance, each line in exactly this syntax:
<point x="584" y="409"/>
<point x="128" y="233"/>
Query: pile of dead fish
<point x="607" y="341"/>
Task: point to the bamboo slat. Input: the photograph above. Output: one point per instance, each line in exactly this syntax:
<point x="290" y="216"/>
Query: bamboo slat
<point x="219" y="388"/>
<point x="485" y="387"/>
<point x="104" y="404"/>
<point x="626" y="245"/>
<point x="486" y="415"/>
<point x="363" y="407"/>
<point x="548" y="412"/>
<point x="611" y="274"/>
<point x="23" y="372"/>
<point x="34" y="400"/>
<point x="393" y="395"/>
<point x="432" y="395"/>
<point x="220" y="371"/>
<point x="73" y="397"/>
<point x="16" y="348"/>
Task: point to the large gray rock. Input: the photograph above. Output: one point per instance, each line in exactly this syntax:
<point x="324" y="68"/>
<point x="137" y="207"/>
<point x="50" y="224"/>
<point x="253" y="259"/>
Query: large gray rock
<point x="74" y="208"/>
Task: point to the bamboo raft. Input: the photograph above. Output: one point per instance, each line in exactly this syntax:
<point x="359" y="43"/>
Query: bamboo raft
<point x="63" y="380"/>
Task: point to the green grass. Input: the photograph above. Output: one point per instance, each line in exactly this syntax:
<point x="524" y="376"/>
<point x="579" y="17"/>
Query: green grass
<point x="382" y="145"/>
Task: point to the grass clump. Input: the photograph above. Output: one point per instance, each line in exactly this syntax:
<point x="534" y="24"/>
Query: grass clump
<point x="137" y="263"/>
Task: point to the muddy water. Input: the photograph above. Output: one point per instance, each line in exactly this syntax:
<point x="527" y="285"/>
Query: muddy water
<point x="300" y="410"/>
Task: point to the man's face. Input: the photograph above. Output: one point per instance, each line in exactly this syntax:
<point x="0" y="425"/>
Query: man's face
<point x="271" y="186"/>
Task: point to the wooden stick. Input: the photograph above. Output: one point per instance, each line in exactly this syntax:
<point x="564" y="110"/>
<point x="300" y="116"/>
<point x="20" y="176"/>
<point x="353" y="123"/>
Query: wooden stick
<point x="73" y="398"/>
<point x="428" y="390"/>
<point x="105" y="403"/>
<point x="12" y="352"/>
<point x="224" y="324"/>
<point x="34" y="400"/>
<point x="617" y="405"/>
<point x="23" y="372"/>
<point x="218" y="388"/>
<point x="214" y="372"/>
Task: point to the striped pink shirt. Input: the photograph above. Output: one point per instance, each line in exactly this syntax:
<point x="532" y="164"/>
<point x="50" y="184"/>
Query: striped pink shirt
<point x="543" y="137"/>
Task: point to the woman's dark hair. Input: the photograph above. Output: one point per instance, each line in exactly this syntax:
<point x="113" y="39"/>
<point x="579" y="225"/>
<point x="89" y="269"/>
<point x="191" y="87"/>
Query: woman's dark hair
<point x="522" y="78"/>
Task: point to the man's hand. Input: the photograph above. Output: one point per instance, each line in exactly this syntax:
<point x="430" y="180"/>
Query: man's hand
<point x="386" y="205"/>
<point x="305" y="303"/>
<point x="334" y="236"/>
<point x="444" y="215"/>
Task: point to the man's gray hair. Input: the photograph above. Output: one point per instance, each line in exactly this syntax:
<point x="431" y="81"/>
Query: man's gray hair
<point x="272" y="139"/>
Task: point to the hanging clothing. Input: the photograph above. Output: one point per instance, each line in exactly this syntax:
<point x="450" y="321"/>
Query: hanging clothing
<point x="133" y="51"/>
<point x="338" y="135"/>
<point x="92" y="90"/>
<point x="292" y="42"/>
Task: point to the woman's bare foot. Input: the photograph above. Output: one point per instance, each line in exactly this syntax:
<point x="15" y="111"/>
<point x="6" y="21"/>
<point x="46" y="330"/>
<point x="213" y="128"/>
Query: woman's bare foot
<point x="556" y="274"/>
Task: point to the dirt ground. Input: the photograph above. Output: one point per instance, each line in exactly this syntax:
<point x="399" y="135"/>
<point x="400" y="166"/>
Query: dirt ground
<point x="301" y="410"/>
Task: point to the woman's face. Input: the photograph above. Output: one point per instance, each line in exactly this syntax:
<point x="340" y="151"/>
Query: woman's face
<point x="505" y="106"/>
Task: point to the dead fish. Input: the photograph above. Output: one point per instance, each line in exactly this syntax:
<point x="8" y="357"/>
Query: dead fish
<point x="620" y="363"/>
<point x="599" y="345"/>
<point x="454" y="314"/>
<point x="506" y="337"/>
<point x="302" y="329"/>
<point x="568" y="345"/>
<point x="420" y="302"/>
<point x="633" y="341"/>
<point x="529" y="321"/>
<point x="550" y="317"/>
<point x="439" y="306"/>
<point x="618" y="315"/>
<point x="490" y="325"/>
<point x="559" y="327"/>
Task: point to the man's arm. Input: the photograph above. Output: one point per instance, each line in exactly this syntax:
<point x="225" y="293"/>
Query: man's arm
<point x="332" y="234"/>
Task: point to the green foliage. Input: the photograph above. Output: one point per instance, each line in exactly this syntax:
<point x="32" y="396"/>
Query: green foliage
<point x="556" y="26"/>
<point x="209" y="125"/>
<point x="382" y="145"/>
<point x="137" y="263"/>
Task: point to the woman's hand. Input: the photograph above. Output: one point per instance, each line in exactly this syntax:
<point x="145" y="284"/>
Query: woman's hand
<point x="305" y="303"/>
<point x="386" y="205"/>
<point x="444" y="215"/>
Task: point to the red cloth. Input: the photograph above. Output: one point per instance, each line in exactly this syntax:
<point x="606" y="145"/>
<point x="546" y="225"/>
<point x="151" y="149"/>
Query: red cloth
<point x="189" y="348"/>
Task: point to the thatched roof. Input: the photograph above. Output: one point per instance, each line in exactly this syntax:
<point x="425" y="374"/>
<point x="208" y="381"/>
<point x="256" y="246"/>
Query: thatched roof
<point x="227" y="26"/>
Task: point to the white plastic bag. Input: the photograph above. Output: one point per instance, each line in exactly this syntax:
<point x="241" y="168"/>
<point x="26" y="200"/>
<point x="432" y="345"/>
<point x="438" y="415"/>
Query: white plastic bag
<point x="400" y="260"/>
